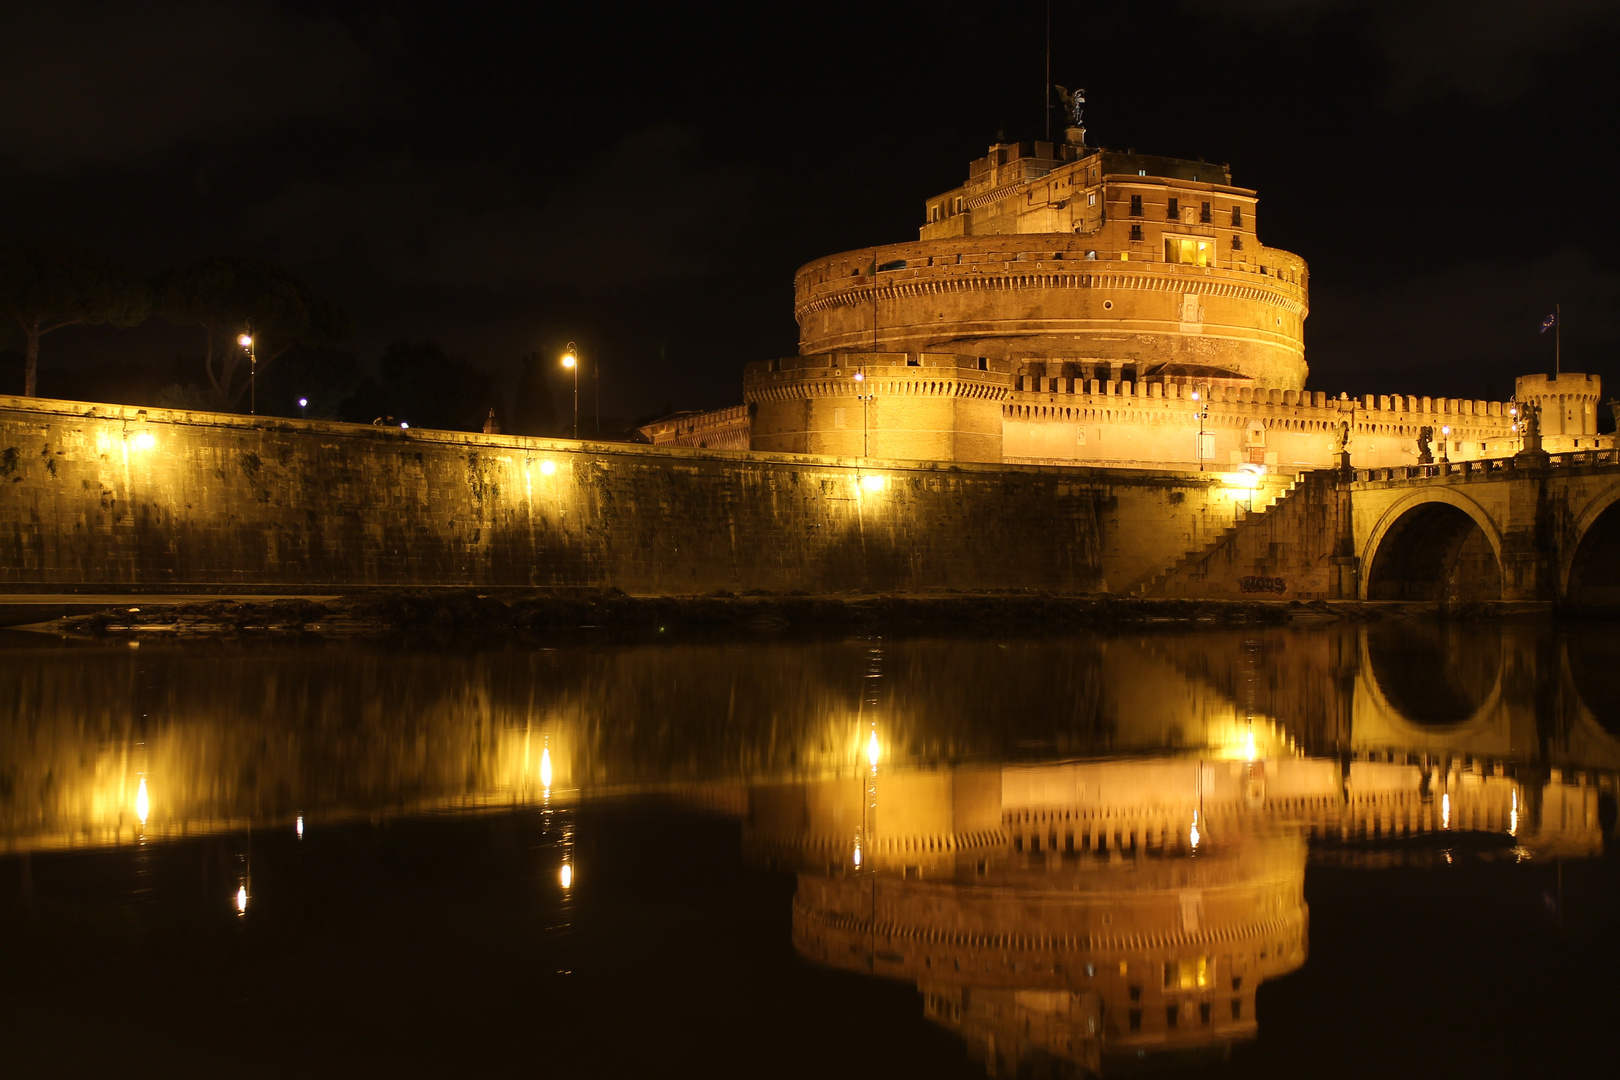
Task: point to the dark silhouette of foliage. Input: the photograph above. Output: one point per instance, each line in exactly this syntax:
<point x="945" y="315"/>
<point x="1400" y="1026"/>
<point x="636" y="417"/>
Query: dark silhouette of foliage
<point x="535" y="411"/>
<point x="46" y="285"/>
<point x="424" y="386"/>
<point x="224" y="296"/>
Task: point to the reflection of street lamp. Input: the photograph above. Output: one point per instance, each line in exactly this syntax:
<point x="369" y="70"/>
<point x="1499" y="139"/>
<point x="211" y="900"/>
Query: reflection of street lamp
<point x="570" y="360"/>
<point x="246" y="341"/>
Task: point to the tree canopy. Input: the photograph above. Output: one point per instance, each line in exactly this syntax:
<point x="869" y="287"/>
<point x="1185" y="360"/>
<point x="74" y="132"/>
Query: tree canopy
<point x="46" y="285"/>
<point x="224" y="296"/>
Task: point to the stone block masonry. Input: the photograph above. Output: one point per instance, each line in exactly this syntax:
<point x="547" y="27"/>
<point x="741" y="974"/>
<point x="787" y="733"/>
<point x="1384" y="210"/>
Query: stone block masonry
<point x="110" y="496"/>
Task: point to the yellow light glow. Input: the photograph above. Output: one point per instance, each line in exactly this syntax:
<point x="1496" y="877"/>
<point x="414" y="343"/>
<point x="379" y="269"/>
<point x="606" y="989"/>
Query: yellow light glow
<point x="566" y="876"/>
<point x="569" y="360"/>
<point x="872" y="483"/>
<point x="1248" y="746"/>
<point x="300" y="826"/>
<point x="872" y="750"/>
<point x="1513" y="816"/>
<point x="1240" y="481"/>
<point x="241" y="899"/>
<point x="246" y="340"/>
<point x="548" y="467"/>
<point x="545" y="768"/>
<point x="857" y="856"/>
<point x="1193" y="834"/>
<point x="1445" y="811"/>
<point x="144" y="440"/>
<point x="143" y="805"/>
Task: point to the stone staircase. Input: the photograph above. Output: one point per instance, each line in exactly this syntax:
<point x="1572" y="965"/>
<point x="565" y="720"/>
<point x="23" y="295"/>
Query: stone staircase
<point x="1182" y="577"/>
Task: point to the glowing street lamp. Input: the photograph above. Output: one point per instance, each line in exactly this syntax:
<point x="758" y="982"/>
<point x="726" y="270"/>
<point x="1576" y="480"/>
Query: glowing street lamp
<point x="246" y="341"/>
<point x="1202" y="412"/>
<point x="1445" y="442"/>
<point x="570" y="361"/>
<point x="872" y="750"/>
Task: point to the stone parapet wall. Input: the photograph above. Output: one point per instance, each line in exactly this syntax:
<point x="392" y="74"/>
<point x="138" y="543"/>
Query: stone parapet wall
<point x="1053" y="420"/>
<point x="107" y="495"/>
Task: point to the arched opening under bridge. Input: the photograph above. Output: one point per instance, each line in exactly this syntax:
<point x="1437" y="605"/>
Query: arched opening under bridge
<point x="1594" y="573"/>
<point x="1434" y="551"/>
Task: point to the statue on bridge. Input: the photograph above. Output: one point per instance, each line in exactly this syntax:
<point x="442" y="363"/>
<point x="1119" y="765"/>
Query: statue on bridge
<point x="1425" y="448"/>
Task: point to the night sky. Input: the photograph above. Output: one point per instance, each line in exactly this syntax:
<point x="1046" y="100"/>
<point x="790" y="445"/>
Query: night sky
<point x="500" y="178"/>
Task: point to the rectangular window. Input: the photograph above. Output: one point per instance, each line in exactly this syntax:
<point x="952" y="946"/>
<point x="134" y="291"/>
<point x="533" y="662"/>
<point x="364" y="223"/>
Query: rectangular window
<point x="1204" y="215"/>
<point x="1091" y="199"/>
<point x="1136" y="206"/>
<point x="838" y="418"/>
<point x="1171" y="1015"/>
<point x="1187" y="974"/>
<point x="1237" y="243"/>
<point x="1237" y="1008"/>
<point x="1237" y="217"/>
<point x="1134" y="1018"/>
<point x="1190" y="250"/>
<point x="1173" y="210"/>
<point x="1136" y="232"/>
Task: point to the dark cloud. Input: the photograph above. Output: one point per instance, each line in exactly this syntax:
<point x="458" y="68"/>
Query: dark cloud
<point x="1455" y="329"/>
<point x="1481" y="50"/>
<point x="652" y="209"/>
<point x="99" y="83"/>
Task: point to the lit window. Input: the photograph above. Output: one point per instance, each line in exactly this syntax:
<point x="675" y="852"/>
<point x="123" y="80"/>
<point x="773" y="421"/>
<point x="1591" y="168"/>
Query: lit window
<point x="1192" y="250"/>
<point x="1091" y="199"/>
<point x="1187" y="974"/>
<point x="1136" y="206"/>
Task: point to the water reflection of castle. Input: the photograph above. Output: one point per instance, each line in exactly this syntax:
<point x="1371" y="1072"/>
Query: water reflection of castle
<point x="1053" y="916"/>
<point x="1061" y="916"/>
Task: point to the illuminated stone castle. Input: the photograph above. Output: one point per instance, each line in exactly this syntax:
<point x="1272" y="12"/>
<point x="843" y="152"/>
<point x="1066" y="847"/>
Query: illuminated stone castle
<point x="1075" y="305"/>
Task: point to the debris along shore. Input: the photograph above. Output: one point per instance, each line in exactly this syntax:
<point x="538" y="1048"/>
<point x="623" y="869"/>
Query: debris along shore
<point x="611" y="614"/>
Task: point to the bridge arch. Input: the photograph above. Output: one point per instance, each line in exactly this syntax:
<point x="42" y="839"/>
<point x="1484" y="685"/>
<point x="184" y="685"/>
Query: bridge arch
<point x="1434" y="544"/>
<point x="1589" y="569"/>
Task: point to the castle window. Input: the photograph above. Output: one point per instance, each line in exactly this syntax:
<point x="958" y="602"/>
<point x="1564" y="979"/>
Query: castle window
<point x="1237" y="243"/>
<point x="1136" y="206"/>
<point x="1173" y="209"/>
<point x="984" y="363"/>
<point x="1091" y="199"/>
<point x="1237" y="217"/>
<point x="1136" y="232"/>
<point x="1190" y="250"/>
<point x="1205" y="215"/>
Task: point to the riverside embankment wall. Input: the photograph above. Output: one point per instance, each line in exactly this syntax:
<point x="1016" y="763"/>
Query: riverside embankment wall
<point x="108" y="495"/>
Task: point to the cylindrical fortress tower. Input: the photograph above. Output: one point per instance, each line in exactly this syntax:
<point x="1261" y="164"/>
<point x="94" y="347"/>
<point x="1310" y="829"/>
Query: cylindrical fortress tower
<point x="1086" y="257"/>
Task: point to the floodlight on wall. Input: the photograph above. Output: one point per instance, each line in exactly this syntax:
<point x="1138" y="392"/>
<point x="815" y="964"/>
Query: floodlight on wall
<point x="548" y="467"/>
<point x="144" y="440"/>
<point x="872" y="483"/>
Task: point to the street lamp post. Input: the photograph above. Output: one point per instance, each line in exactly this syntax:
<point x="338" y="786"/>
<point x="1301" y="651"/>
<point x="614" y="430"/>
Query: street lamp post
<point x="863" y="398"/>
<point x="570" y="360"/>
<point x="246" y="341"/>
<point x="1203" y="414"/>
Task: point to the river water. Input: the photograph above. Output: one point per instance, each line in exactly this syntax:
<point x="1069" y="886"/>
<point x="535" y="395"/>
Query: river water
<point x="1327" y="850"/>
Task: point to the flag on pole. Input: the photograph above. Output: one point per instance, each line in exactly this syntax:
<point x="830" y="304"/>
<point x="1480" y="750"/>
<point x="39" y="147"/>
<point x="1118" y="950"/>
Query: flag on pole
<point x="1549" y="322"/>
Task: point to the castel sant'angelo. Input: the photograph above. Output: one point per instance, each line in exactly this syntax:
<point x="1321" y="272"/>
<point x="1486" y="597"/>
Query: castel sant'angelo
<point x="1075" y="305"/>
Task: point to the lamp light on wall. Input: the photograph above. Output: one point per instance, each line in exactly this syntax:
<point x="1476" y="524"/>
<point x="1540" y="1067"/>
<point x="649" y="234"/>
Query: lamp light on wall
<point x="144" y="440"/>
<point x="872" y="482"/>
<point x="548" y="467"/>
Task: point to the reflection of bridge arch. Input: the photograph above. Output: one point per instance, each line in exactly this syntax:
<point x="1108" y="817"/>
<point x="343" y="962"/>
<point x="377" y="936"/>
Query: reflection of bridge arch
<point x="1421" y="680"/>
<point x="1589" y="568"/>
<point x="1434" y="544"/>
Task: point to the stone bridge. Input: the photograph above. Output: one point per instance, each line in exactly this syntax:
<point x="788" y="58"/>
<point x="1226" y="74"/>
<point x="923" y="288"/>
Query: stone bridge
<point x="1533" y="527"/>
